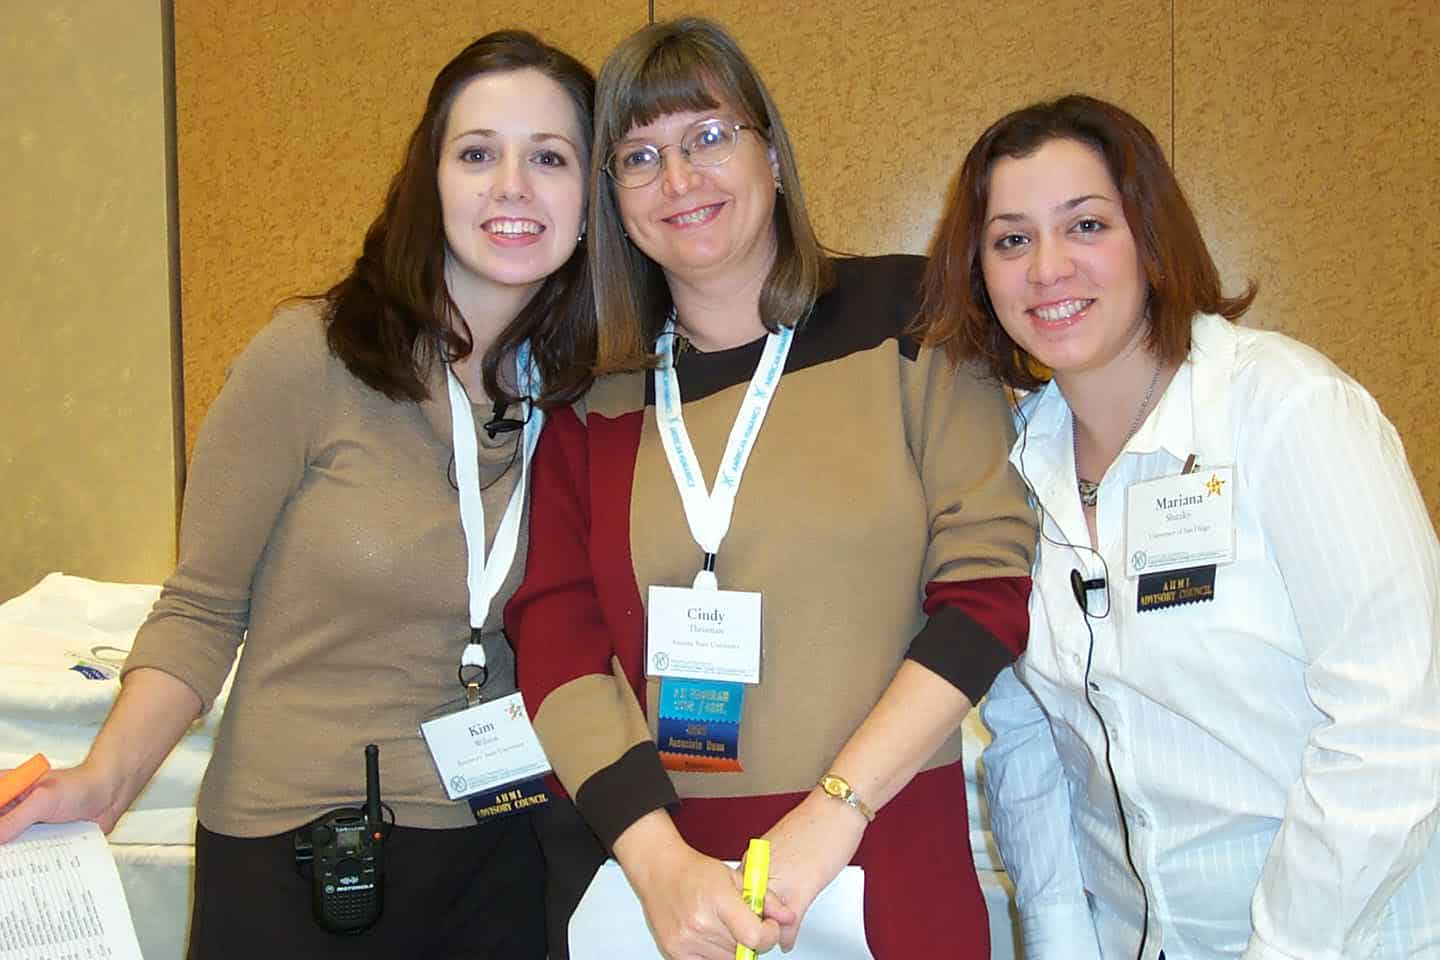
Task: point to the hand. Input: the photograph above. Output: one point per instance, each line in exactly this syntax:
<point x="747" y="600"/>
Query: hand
<point x="62" y="796"/>
<point x="809" y="846"/>
<point x="692" y="902"/>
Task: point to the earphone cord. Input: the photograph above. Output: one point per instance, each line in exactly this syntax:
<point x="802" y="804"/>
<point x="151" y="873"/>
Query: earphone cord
<point x="1089" y="657"/>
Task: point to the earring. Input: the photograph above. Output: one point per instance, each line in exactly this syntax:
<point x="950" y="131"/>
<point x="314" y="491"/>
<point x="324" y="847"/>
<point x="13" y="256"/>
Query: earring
<point x="779" y="187"/>
<point x="581" y="237"/>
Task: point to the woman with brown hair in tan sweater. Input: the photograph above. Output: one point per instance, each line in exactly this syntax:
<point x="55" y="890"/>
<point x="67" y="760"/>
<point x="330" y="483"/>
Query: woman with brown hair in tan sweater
<point x="321" y="527"/>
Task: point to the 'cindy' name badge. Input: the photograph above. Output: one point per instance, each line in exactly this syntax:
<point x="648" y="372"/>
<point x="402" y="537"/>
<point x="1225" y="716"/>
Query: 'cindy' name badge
<point x="1179" y="522"/>
<point x="703" y="634"/>
<point x="484" y="746"/>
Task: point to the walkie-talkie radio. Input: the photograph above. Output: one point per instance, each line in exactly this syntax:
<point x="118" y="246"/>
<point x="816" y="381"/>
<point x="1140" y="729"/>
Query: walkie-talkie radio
<point x="344" y="849"/>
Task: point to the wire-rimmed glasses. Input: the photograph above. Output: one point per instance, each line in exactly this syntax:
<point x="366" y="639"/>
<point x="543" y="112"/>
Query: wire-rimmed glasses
<point x="705" y="143"/>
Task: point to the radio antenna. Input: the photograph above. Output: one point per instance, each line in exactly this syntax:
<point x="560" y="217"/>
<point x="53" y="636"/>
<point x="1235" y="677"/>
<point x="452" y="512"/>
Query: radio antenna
<point x="372" y="788"/>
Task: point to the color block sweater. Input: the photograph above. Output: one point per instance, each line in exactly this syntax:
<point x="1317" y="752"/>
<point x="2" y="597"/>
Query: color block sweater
<point x="879" y="517"/>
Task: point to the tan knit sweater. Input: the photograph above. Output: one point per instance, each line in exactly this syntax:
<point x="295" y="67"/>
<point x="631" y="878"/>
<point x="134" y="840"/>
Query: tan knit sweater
<point x="319" y="517"/>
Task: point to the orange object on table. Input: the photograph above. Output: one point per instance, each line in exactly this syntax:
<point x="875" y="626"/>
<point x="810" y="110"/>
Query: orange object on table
<point x="22" y="778"/>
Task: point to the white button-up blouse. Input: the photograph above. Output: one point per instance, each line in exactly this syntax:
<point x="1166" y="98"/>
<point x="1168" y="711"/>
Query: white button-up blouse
<point x="1275" y="750"/>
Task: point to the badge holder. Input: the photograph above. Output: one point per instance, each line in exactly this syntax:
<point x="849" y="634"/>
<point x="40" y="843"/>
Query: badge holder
<point x="704" y="643"/>
<point x="486" y="751"/>
<point x="704" y="647"/>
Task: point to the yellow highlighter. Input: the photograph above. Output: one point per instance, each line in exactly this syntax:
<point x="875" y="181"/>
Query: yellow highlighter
<point x="757" y="875"/>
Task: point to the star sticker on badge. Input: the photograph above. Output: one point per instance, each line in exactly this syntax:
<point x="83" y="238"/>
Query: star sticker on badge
<point x="1215" y="485"/>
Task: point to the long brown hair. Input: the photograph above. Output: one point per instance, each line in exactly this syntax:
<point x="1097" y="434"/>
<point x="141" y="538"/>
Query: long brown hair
<point x="686" y="64"/>
<point x="389" y="319"/>
<point x="955" y="309"/>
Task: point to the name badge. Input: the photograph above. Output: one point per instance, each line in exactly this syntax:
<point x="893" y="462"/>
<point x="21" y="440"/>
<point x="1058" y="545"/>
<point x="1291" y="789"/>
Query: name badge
<point x="703" y="634"/>
<point x="1178" y="522"/>
<point x="485" y="746"/>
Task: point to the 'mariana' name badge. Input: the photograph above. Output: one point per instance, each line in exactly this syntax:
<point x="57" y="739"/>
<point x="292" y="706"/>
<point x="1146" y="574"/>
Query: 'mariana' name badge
<point x="1179" y="522"/>
<point x="703" y="634"/>
<point x="485" y="746"/>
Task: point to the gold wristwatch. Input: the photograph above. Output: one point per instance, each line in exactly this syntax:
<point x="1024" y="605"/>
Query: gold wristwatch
<point x="839" y="788"/>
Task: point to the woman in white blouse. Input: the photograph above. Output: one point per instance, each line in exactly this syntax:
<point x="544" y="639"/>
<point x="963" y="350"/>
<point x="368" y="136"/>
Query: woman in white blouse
<point x="1224" y="737"/>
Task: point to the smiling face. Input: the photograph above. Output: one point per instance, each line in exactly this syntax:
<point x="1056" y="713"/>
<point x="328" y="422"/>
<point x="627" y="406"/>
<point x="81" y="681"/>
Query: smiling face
<point x="710" y="222"/>
<point x="512" y="187"/>
<point x="1059" y="261"/>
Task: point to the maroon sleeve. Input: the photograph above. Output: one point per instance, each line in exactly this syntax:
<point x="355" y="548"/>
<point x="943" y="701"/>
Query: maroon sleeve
<point x="585" y="709"/>
<point x="976" y="629"/>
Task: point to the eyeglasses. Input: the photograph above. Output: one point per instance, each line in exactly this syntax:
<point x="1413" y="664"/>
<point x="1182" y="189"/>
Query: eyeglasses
<point x="707" y="143"/>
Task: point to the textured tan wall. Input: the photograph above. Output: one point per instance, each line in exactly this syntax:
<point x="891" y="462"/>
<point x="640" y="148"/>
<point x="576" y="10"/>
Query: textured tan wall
<point x="1308" y="137"/>
<point x="87" y="422"/>
<point x="291" y="119"/>
<point x="883" y="99"/>
<point x="1299" y="128"/>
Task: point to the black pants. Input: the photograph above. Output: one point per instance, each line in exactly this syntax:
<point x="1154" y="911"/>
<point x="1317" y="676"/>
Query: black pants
<point x="473" y="893"/>
<point x="572" y="855"/>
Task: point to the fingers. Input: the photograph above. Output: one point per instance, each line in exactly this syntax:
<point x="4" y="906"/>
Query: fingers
<point x="778" y="910"/>
<point x="697" y="940"/>
<point x="786" y="910"/>
<point x="788" y="935"/>
<point x="29" y="808"/>
<point x="747" y="928"/>
<point x="61" y="796"/>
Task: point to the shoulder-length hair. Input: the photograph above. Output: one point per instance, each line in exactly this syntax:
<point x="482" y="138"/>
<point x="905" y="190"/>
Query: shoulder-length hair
<point x="686" y="64"/>
<point x="389" y="320"/>
<point x="955" y="309"/>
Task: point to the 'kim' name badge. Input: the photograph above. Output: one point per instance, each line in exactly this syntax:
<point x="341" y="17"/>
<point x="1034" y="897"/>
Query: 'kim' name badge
<point x="485" y="746"/>
<point x="1180" y="522"/>
<point x="703" y="634"/>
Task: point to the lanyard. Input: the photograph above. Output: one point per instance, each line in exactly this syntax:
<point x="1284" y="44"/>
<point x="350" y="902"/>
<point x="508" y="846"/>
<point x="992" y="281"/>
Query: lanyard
<point x="708" y="513"/>
<point x="485" y="574"/>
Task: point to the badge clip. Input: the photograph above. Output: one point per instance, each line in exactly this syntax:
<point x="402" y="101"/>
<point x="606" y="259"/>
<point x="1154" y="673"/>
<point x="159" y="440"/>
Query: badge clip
<point x="472" y="677"/>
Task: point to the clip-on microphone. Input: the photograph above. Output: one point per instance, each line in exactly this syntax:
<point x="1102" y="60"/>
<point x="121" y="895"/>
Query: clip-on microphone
<point x="499" y="423"/>
<point x="1079" y="586"/>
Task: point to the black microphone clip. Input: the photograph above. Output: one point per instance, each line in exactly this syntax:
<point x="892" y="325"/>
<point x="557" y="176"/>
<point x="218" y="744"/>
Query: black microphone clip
<point x="1079" y="586"/>
<point x="499" y="423"/>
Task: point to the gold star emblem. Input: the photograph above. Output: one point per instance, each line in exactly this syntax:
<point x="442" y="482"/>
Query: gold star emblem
<point x="1215" y="485"/>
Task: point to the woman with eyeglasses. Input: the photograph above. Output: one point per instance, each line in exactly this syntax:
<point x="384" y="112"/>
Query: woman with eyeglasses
<point x="783" y="552"/>
<point x="346" y="520"/>
<point x="1223" y="738"/>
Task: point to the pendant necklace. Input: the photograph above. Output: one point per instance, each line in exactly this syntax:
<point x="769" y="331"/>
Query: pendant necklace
<point x="1089" y="489"/>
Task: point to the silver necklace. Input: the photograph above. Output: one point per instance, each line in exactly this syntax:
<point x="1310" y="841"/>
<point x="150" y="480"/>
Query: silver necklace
<point x="1089" y="489"/>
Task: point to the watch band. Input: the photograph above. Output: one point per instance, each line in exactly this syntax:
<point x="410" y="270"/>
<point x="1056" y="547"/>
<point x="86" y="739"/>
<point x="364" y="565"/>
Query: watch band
<point x="839" y="788"/>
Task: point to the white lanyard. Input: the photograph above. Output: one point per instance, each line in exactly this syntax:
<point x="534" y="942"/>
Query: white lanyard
<point x="485" y="574"/>
<point x="708" y="513"/>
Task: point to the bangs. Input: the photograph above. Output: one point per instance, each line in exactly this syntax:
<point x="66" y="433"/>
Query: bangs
<point x="676" y="77"/>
